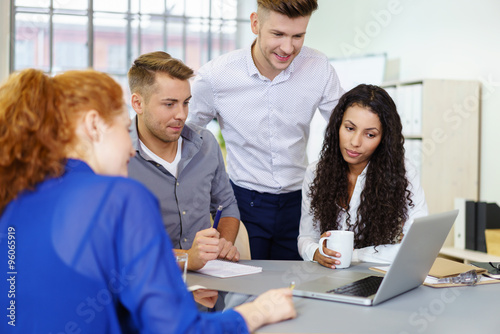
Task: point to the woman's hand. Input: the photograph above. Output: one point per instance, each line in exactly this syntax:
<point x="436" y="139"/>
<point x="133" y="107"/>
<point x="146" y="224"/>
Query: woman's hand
<point x="324" y="260"/>
<point x="270" y="307"/>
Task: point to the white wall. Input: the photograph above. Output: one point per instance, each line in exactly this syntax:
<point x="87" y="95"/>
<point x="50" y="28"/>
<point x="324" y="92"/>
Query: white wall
<point x="448" y="39"/>
<point x="4" y="39"/>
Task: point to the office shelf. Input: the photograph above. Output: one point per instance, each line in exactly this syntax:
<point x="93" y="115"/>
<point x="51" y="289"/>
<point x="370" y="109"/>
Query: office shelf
<point x="467" y="255"/>
<point x="443" y="142"/>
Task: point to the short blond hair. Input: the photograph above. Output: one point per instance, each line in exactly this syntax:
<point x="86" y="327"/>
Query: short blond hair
<point x="142" y="74"/>
<point x="290" y="8"/>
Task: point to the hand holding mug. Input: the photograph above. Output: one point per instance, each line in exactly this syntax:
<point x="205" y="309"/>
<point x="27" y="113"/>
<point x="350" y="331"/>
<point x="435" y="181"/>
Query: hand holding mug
<point x="329" y="259"/>
<point x="341" y="242"/>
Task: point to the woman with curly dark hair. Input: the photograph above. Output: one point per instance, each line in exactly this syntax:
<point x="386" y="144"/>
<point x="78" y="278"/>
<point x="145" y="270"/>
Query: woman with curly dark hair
<point x="361" y="182"/>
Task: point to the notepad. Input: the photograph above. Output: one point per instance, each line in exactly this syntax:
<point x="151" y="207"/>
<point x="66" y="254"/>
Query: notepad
<point x="225" y="269"/>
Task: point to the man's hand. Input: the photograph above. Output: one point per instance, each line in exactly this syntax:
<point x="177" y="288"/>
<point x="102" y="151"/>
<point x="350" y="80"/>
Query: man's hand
<point x="228" y="251"/>
<point x="205" y="248"/>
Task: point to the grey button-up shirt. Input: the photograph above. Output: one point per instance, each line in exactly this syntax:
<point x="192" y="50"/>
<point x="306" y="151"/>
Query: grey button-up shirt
<point x="201" y="186"/>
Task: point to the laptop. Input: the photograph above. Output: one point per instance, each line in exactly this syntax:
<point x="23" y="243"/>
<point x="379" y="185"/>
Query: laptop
<point x="408" y="270"/>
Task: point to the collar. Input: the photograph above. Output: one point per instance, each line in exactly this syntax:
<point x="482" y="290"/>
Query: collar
<point x="134" y="134"/>
<point x="77" y="166"/>
<point x="365" y="170"/>
<point x="252" y="69"/>
<point x="71" y="166"/>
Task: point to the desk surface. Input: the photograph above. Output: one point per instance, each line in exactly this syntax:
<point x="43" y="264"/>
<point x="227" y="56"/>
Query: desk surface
<point x="422" y="310"/>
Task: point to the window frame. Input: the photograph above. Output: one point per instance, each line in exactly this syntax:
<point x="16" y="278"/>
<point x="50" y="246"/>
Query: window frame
<point x="129" y="16"/>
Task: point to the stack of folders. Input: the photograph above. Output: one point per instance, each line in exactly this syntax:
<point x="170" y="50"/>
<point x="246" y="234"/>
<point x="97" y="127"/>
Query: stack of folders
<point x="225" y="269"/>
<point x="443" y="268"/>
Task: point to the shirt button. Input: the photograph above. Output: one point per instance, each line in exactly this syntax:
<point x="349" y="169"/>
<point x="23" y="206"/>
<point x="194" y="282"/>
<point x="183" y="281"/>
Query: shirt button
<point x="183" y="212"/>
<point x="251" y="203"/>
<point x="178" y="183"/>
<point x="185" y="239"/>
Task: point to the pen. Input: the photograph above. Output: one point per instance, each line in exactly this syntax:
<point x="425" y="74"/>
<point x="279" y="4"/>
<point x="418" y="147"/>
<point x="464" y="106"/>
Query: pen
<point x="217" y="217"/>
<point x="292" y="285"/>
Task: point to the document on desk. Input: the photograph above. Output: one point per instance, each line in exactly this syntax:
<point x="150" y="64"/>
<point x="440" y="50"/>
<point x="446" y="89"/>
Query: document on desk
<point x="432" y="281"/>
<point x="225" y="269"/>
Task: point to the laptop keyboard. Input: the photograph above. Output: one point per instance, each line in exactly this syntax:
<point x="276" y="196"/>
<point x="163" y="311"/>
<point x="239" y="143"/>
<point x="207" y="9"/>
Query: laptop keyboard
<point x="363" y="288"/>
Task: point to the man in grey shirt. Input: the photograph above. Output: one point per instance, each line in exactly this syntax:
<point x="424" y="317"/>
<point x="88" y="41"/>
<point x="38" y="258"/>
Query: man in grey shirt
<point x="182" y="165"/>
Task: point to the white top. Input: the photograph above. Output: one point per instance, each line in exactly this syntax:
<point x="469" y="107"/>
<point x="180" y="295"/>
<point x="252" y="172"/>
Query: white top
<point x="265" y="123"/>
<point x="171" y="167"/>
<point x="309" y="235"/>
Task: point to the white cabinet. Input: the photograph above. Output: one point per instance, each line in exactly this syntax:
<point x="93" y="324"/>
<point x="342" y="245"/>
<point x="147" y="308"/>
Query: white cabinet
<point x="441" y="124"/>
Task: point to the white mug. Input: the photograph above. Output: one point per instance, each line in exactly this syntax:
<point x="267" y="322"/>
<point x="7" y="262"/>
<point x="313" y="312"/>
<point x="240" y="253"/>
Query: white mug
<point x="341" y="242"/>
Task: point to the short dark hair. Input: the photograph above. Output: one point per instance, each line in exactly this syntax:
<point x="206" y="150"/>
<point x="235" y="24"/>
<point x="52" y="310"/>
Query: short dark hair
<point x="290" y="8"/>
<point x="142" y="74"/>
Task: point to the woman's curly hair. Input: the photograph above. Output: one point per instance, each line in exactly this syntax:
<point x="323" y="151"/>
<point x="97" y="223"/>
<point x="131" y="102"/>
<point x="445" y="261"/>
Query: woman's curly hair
<point x="38" y="115"/>
<point x="385" y="197"/>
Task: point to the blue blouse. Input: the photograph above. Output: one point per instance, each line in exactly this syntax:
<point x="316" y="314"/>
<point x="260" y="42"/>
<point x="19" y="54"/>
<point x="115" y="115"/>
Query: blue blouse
<point x="86" y="253"/>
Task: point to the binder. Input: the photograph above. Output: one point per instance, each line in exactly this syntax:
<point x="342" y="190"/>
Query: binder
<point x="481" y="216"/>
<point x="408" y="109"/>
<point x="404" y="106"/>
<point x="470" y="225"/>
<point x="417" y="110"/>
<point x="487" y="217"/>
<point x="459" y="231"/>
<point x="493" y="216"/>
<point x="392" y="93"/>
<point x="413" y="153"/>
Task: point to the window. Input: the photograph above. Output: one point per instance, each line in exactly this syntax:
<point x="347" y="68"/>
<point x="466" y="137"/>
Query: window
<point x="107" y="35"/>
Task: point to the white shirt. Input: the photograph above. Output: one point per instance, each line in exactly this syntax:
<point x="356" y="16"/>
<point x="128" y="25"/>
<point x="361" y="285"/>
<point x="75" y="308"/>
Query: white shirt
<point x="309" y="234"/>
<point x="265" y="123"/>
<point x="171" y="167"/>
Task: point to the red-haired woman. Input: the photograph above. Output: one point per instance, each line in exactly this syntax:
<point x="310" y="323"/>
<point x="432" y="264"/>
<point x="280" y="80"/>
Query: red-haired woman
<point x="87" y="248"/>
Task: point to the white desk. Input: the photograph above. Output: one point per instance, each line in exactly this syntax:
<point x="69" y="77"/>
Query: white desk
<point x="422" y="310"/>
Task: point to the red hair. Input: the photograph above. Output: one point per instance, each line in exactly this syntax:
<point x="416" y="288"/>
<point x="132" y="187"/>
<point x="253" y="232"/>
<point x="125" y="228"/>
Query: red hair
<point x="38" y="116"/>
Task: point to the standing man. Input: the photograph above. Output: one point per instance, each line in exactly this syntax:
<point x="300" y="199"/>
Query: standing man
<point x="182" y="165"/>
<point x="264" y="98"/>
